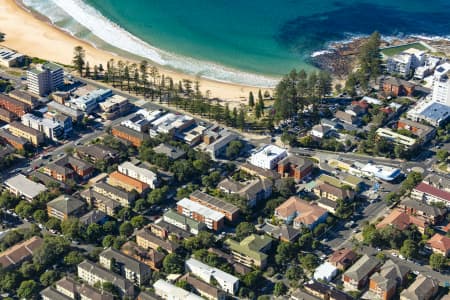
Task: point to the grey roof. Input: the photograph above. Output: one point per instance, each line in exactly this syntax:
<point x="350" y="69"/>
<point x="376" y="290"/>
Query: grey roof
<point x="127" y="261"/>
<point x="140" y="135"/>
<point x="286" y="232"/>
<point x="324" y="289"/>
<point x="100" y="152"/>
<point x="166" y="245"/>
<point x="172" y="214"/>
<point x="148" y="296"/>
<point x="65" y="110"/>
<point x="26" y="187"/>
<point x="94" y="216"/>
<point x="223" y="141"/>
<point x="429" y="210"/>
<point x="362" y="268"/>
<point x="327" y="202"/>
<point x="14" y="101"/>
<point x="114" y="190"/>
<point x="24" y="128"/>
<point x="46" y="180"/>
<point x="300" y="162"/>
<point x="390" y="275"/>
<point x="7" y="135"/>
<point x="438" y="181"/>
<point x="53" y="294"/>
<point x="171" y="229"/>
<point x="423" y="130"/>
<point x="436" y="111"/>
<point x="106" y="275"/>
<point x="170" y="151"/>
<point x="213" y="201"/>
<point x="52" y="66"/>
<point x="251" y="189"/>
<point x="420" y="288"/>
<point x="66" y="204"/>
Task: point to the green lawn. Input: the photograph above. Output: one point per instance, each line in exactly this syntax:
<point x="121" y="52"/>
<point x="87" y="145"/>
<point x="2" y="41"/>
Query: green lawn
<point x="398" y="49"/>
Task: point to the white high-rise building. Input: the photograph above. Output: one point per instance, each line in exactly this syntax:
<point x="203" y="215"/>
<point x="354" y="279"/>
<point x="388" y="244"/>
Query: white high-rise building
<point x="441" y="84"/>
<point x="51" y="129"/>
<point x="45" y="78"/>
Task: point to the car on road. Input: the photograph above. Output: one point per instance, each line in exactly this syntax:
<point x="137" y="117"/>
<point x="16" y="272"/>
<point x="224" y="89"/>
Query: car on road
<point x="402" y="257"/>
<point x="415" y="272"/>
<point x="394" y="254"/>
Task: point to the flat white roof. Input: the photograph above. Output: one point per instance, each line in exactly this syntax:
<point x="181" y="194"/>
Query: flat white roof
<point x="325" y="271"/>
<point x="383" y="172"/>
<point x="25" y="186"/>
<point x="175" y="292"/>
<point x="201" y="209"/>
<point x="211" y="271"/>
<point x="142" y="171"/>
<point x="269" y="151"/>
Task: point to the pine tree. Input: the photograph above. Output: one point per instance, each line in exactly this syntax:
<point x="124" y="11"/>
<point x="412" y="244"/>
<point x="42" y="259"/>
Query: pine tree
<point x="241" y="119"/>
<point x="261" y="106"/>
<point x="87" y="70"/>
<point x="78" y="59"/>
<point x="251" y="100"/>
<point x="95" y="72"/>
<point x="260" y="97"/>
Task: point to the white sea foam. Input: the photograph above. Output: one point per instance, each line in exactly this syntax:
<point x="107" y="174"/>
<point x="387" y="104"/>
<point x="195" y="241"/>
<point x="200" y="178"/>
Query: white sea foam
<point x="113" y="34"/>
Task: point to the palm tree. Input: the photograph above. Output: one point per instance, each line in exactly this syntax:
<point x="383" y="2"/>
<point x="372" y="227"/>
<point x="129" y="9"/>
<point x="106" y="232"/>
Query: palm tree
<point x="120" y="67"/>
<point x="135" y="72"/>
<point x="112" y="71"/>
<point x="126" y="74"/>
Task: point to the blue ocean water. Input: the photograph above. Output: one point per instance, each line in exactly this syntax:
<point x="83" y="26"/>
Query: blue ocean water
<point x="247" y="41"/>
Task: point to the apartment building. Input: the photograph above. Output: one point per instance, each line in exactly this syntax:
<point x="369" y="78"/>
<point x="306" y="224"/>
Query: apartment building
<point x="212" y="218"/>
<point x="14" y="106"/>
<point x="24" y="97"/>
<point x="148" y="240"/>
<point x="125" y="198"/>
<point x="142" y="174"/>
<point x="136" y="138"/>
<point x="251" y="251"/>
<point x="17" y="254"/>
<point x="69" y="167"/>
<point x="17" y="142"/>
<point x="267" y="157"/>
<point x="65" y="206"/>
<point x="169" y="291"/>
<point x="45" y="78"/>
<point x="230" y="211"/>
<point x="21" y="186"/>
<point x="227" y="282"/>
<point x="183" y="222"/>
<point x="127" y="183"/>
<point x="51" y="129"/>
<point x="295" y="167"/>
<point x="92" y="273"/>
<point x="133" y="270"/>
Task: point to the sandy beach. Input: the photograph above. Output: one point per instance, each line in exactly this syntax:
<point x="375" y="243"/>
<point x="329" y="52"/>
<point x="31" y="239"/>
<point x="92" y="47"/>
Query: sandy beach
<point x="30" y="35"/>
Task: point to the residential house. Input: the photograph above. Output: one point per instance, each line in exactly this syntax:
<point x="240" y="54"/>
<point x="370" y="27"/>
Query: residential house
<point x="343" y="258"/>
<point x="227" y="282"/>
<point x="321" y="131"/>
<point x="385" y="282"/>
<point x="169" y="291"/>
<point x="423" y="288"/>
<point x="148" y="240"/>
<point x="201" y="213"/>
<point x="253" y="191"/>
<point x="64" y="207"/>
<point x="439" y="244"/>
<point x="133" y="270"/>
<point x="92" y="273"/>
<point x="21" y="186"/>
<point x="346" y="117"/>
<point x="295" y="167"/>
<point x="283" y="232"/>
<point x="170" y="151"/>
<point x="300" y="213"/>
<point x="17" y="254"/>
<point x="129" y="184"/>
<point x="230" y="211"/>
<point x="397" y="87"/>
<point x="251" y="250"/>
<point x="97" y="153"/>
<point x="151" y="257"/>
<point x="357" y="276"/>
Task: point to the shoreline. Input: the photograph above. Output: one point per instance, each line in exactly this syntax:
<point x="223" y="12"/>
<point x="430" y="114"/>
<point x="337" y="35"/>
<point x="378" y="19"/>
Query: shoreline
<point x="23" y="27"/>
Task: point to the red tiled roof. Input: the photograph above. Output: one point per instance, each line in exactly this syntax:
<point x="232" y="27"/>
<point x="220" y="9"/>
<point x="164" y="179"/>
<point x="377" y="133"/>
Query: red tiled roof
<point x="440" y="242"/>
<point x="429" y="189"/>
<point x="400" y="220"/>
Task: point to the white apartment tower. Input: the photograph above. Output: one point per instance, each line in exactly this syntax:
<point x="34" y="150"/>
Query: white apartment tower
<point x="441" y="84"/>
<point x="45" y="78"/>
